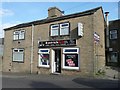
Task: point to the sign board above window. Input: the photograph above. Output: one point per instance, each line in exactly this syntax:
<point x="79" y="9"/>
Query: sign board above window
<point x="59" y="43"/>
<point x="43" y="51"/>
<point x="71" y="50"/>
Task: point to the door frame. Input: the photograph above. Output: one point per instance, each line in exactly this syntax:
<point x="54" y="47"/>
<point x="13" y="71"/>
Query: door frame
<point x="53" y="64"/>
<point x="52" y="60"/>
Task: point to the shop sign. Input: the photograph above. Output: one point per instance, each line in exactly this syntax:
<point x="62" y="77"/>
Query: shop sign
<point x="96" y="38"/>
<point x="57" y="43"/>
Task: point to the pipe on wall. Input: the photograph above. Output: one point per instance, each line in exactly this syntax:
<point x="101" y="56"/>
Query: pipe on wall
<point x="107" y="29"/>
<point x="31" y="61"/>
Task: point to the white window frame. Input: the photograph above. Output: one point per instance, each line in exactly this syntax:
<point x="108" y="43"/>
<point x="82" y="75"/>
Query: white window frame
<point x="66" y="67"/>
<point x="39" y="59"/>
<point x="62" y="27"/>
<point x="15" y="35"/>
<point x="113" y="32"/>
<point x="19" y="52"/>
<point x="54" y="28"/>
<point x="20" y="33"/>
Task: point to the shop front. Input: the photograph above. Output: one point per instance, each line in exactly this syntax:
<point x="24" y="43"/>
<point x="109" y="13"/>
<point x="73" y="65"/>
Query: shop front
<point x="59" y="55"/>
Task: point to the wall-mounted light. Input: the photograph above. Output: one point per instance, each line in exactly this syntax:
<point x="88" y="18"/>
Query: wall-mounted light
<point x="80" y="29"/>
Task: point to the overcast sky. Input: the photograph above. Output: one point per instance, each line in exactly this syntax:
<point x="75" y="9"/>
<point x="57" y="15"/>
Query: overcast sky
<point x="13" y="13"/>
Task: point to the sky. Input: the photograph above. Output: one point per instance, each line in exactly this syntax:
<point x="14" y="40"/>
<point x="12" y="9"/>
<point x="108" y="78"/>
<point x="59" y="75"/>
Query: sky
<point x="13" y="13"/>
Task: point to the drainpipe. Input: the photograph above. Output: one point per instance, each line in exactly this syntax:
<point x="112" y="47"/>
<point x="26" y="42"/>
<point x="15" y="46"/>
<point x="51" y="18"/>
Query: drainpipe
<point x="31" y="61"/>
<point x="107" y="29"/>
<point x="107" y="36"/>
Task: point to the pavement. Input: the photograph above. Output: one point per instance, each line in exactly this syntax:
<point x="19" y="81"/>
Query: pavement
<point x="16" y="80"/>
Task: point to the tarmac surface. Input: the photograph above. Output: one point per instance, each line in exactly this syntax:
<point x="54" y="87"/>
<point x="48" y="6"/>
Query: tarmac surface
<point x="35" y="81"/>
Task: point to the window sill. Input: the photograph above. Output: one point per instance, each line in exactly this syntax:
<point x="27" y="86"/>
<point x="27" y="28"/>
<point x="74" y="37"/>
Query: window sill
<point x="60" y="35"/>
<point x="18" y="39"/>
<point x="18" y="61"/>
<point x="71" y="68"/>
<point x="43" y="66"/>
<point x="64" y="35"/>
<point x="113" y="38"/>
<point x="54" y="36"/>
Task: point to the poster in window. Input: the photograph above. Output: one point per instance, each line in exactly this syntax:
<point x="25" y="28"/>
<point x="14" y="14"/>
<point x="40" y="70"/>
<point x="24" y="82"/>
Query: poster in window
<point x="44" y="59"/>
<point x="71" y="60"/>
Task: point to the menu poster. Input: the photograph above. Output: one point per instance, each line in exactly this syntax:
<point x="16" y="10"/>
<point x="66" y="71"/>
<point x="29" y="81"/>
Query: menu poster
<point x="71" y="60"/>
<point x="44" y="59"/>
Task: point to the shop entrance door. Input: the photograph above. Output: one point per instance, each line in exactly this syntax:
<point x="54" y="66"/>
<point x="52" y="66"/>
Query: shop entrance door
<point x="57" y="60"/>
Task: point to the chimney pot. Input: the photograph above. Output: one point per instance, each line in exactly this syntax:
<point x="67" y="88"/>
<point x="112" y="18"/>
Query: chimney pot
<point x="106" y="13"/>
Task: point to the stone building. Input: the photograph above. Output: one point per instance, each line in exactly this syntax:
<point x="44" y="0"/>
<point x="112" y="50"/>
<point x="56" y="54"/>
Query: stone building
<point x="1" y="52"/>
<point x="113" y="49"/>
<point x="60" y="44"/>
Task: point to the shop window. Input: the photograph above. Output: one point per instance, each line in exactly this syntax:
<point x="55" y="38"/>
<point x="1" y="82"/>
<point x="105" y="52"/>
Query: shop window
<point x="64" y="29"/>
<point x="54" y="30"/>
<point x="43" y="58"/>
<point x="18" y="55"/>
<point x="18" y="35"/>
<point x="71" y="58"/>
<point x="113" y="34"/>
<point x="113" y="57"/>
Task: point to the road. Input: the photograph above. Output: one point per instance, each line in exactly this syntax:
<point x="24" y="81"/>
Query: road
<point x="55" y="81"/>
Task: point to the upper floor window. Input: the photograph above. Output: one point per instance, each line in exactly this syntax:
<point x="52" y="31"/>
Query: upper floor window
<point x="18" y="35"/>
<point x="59" y="29"/>
<point x="55" y="30"/>
<point x="64" y="29"/>
<point x="113" y="34"/>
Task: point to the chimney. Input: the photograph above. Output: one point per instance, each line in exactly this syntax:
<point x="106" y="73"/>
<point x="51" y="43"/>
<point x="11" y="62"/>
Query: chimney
<point x="54" y="12"/>
<point x="106" y="17"/>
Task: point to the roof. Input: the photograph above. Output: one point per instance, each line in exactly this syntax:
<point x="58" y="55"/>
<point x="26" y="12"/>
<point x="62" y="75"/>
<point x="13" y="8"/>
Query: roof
<point x="47" y="20"/>
<point x="117" y="20"/>
<point x="114" y="24"/>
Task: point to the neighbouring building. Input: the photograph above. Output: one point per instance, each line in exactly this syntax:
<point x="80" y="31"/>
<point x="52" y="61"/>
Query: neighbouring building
<point x="60" y="44"/>
<point x="1" y="52"/>
<point x="113" y="49"/>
